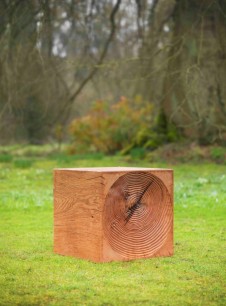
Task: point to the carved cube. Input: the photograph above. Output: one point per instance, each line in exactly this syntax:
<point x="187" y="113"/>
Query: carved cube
<point x="106" y="214"/>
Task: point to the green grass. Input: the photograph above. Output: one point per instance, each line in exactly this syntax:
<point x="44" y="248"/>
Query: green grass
<point x="23" y="163"/>
<point x="31" y="274"/>
<point x="5" y="158"/>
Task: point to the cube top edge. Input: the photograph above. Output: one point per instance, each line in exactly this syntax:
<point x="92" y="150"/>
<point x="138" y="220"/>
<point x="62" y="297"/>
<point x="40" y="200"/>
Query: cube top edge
<point x="111" y="169"/>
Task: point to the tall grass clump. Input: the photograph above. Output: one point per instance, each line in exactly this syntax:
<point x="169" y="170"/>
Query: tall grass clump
<point x="5" y="158"/>
<point x="23" y="163"/>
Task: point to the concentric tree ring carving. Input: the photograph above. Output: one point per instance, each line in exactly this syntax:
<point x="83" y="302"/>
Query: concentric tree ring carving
<point x="137" y="215"/>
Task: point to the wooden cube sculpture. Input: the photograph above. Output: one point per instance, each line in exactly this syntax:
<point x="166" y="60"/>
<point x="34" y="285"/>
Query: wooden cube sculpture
<point x="105" y="214"/>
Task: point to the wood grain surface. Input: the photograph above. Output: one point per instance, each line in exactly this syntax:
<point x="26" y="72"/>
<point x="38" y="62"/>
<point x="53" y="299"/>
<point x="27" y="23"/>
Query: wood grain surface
<point x="105" y="214"/>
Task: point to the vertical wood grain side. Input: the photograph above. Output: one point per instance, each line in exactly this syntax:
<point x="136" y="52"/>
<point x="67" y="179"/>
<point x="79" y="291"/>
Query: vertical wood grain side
<point x="77" y="214"/>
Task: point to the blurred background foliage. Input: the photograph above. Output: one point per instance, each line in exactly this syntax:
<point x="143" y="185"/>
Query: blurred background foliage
<point x="111" y="128"/>
<point x="156" y="69"/>
<point x="122" y="126"/>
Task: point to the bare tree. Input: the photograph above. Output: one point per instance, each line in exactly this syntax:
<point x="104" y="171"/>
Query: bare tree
<point x="38" y="88"/>
<point x="189" y="64"/>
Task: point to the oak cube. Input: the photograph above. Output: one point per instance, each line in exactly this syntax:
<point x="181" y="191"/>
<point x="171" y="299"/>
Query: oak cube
<point x="106" y="214"/>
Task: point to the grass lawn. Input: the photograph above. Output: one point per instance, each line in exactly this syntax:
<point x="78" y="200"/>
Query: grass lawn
<point x="32" y="275"/>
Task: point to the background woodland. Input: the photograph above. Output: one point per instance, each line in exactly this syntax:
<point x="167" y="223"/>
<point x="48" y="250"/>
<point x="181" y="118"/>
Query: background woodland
<point x="112" y="75"/>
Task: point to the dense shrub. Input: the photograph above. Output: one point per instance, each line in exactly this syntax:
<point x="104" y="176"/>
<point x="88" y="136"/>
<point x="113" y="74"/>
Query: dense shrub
<point x="109" y="128"/>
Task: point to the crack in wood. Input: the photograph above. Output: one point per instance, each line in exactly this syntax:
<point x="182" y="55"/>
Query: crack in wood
<point x="130" y="211"/>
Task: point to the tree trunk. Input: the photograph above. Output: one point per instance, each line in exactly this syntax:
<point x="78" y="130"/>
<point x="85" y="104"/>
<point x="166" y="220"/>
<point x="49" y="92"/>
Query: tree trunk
<point x="194" y="96"/>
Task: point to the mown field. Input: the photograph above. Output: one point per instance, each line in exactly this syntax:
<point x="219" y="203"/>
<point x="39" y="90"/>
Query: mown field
<point x="31" y="274"/>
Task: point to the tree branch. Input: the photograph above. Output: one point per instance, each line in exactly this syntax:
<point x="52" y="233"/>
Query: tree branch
<point x="73" y="96"/>
<point x="103" y="54"/>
